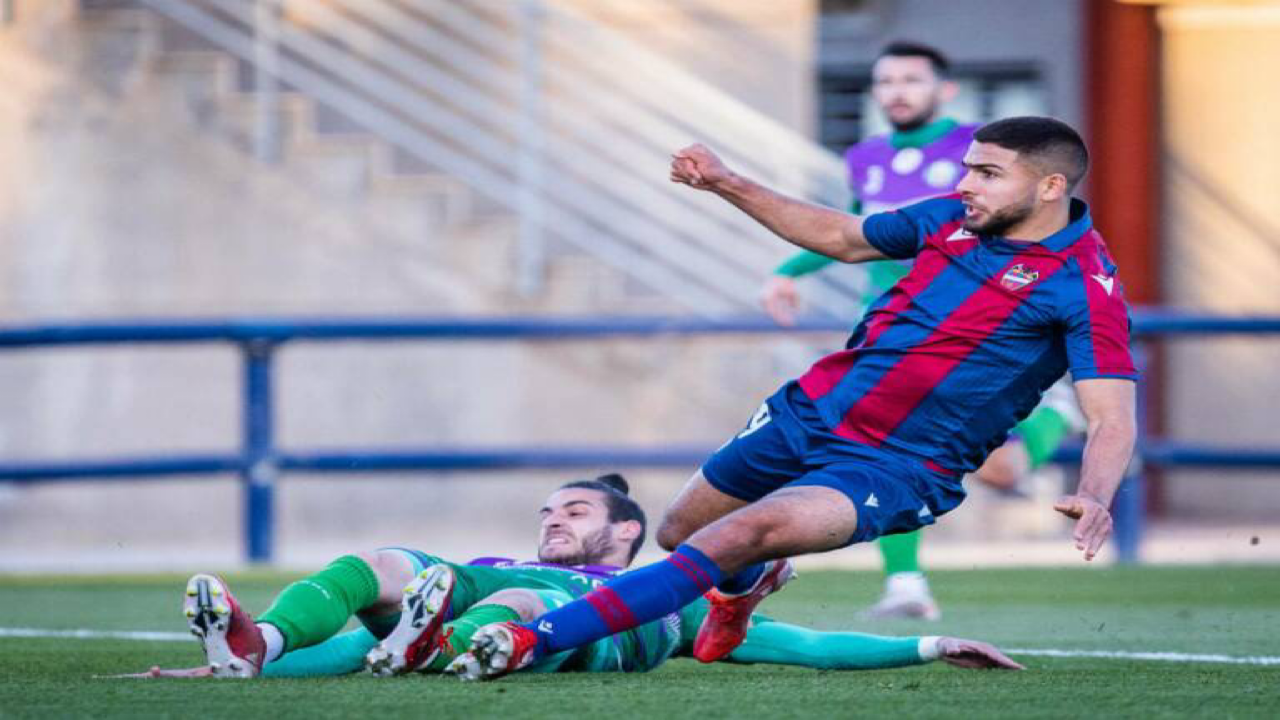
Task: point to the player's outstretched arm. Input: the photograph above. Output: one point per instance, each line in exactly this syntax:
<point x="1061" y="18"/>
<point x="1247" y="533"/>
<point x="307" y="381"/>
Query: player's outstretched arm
<point x="1108" y="405"/>
<point x="823" y="230"/>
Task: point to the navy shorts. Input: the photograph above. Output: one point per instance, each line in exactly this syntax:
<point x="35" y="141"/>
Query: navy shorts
<point x="786" y="444"/>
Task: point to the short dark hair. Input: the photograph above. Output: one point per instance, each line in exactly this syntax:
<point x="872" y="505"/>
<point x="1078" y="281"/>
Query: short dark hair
<point x="1047" y="142"/>
<point x="618" y="502"/>
<point x="907" y="48"/>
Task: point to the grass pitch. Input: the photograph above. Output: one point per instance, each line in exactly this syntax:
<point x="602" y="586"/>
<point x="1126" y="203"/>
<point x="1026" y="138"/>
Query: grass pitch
<point x="1231" y="611"/>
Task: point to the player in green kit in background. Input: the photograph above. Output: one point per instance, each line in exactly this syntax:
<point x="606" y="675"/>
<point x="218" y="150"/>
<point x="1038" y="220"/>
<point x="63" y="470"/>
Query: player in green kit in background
<point x="921" y="158"/>
<point x="419" y="612"/>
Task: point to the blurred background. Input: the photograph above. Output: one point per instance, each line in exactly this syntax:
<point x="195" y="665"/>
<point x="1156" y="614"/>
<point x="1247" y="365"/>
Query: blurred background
<point x="392" y="160"/>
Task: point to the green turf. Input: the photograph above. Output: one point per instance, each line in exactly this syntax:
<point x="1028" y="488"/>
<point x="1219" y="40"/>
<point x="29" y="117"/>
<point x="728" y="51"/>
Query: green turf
<point x="1232" y="611"/>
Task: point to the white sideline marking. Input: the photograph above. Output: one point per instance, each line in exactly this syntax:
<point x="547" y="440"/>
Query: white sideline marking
<point x="1104" y="654"/>
<point x="1164" y="656"/>
<point x="96" y="634"/>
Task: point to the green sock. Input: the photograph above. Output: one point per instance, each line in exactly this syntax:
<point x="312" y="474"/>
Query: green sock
<point x="901" y="552"/>
<point x="458" y="632"/>
<point x="1042" y="433"/>
<point x="315" y="608"/>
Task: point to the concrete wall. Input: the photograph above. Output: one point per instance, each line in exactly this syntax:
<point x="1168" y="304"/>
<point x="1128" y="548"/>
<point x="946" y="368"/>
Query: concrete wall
<point x="1222" y="241"/>
<point x="760" y="51"/>
<point x="118" y="203"/>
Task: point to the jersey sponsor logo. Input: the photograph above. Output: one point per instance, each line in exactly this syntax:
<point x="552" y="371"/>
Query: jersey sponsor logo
<point x="1018" y="277"/>
<point x="872" y="501"/>
<point x="759" y="420"/>
<point x="546" y="627"/>
<point x="924" y="512"/>
<point x="1107" y="283"/>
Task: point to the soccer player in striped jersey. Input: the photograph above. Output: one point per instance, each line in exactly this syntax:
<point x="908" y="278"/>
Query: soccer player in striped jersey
<point x="921" y="157"/>
<point x="1011" y="288"/>
<point x="419" y="612"/>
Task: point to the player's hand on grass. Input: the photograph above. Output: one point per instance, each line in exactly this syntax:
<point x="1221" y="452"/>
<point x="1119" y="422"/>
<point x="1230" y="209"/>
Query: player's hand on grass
<point x="1093" y="522"/>
<point x="780" y="299"/>
<point x="974" y="655"/>
<point x="698" y="167"/>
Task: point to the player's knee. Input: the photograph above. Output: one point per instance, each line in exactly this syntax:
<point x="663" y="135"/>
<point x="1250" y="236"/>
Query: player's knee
<point x="1005" y="467"/>
<point x="737" y="541"/>
<point x="392" y="569"/>
<point x="526" y="603"/>
<point x="670" y="535"/>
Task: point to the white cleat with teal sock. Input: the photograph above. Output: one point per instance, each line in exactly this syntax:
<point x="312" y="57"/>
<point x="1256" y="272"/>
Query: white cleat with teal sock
<point x="417" y="638"/>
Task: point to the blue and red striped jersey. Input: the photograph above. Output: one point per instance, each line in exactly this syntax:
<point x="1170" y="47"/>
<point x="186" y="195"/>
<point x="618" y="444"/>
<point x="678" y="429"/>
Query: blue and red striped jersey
<point x="947" y="361"/>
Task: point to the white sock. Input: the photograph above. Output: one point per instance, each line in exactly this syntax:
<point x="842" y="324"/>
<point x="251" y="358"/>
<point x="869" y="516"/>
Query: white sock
<point x="911" y="584"/>
<point x="274" y="640"/>
<point x="929" y="648"/>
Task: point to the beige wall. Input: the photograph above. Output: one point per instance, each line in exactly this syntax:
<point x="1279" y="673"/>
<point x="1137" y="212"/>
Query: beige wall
<point x="760" y="51"/>
<point x="1222" y="235"/>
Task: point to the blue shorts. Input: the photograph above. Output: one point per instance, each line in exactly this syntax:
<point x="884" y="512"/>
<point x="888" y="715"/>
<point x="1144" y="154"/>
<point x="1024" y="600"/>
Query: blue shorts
<point x="786" y="444"/>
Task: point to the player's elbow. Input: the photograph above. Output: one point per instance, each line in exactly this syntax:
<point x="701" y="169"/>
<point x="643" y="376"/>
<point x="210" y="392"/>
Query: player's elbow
<point x="854" y="253"/>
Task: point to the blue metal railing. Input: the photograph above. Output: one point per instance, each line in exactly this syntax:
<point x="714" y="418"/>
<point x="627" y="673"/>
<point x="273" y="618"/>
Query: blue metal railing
<point x="259" y="462"/>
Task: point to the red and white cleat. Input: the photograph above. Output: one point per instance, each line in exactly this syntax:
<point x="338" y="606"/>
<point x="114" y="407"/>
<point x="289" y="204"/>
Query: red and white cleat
<point x="233" y="645"/>
<point x="496" y="650"/>
<point x="725" y="626"/>
<point x="416" y="639"/>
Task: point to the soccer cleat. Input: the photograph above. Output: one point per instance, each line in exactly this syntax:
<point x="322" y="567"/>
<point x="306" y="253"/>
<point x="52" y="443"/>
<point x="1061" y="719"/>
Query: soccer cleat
<point x="496" y="650"/>
<point x="906" y="597"/>
<point x="233" y="645"/>
<point x="725" y="626"/>
<point x="903" y="607"/>
<point x="416" y="639"/>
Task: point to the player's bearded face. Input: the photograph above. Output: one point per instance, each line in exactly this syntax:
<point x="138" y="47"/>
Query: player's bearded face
<point x="590" y="549"/>
<point x="907" y="90"/>
<point x="576" y="529"/>
<point x="999" y="192"/>
<point x="1000" y="221"/>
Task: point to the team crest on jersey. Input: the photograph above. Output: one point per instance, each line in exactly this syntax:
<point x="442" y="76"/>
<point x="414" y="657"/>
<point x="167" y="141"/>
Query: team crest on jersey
<point x="1018" y="277"/>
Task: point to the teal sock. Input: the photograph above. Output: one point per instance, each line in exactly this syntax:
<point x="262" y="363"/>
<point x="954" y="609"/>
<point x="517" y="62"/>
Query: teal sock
<point x="339" y="655"/>
<point x="779" y="643"/>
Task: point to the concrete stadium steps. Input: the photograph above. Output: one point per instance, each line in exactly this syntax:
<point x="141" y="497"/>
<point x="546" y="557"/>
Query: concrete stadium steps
<point x="328" y="154"/>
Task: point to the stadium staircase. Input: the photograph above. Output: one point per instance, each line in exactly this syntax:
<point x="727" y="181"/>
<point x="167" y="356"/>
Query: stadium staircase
<point x="526" y="142"/>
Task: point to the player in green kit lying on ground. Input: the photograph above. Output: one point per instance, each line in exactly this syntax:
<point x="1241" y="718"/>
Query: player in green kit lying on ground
<point x="419" y="612"/>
